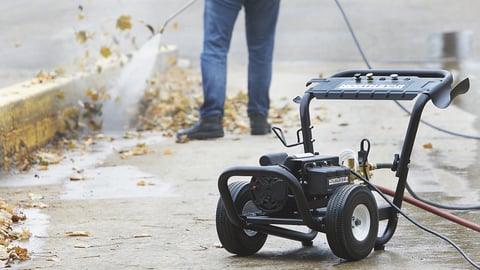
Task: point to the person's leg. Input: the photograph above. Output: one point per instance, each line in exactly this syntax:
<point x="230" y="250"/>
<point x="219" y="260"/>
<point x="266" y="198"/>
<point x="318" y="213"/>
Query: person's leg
<point x="261" y="19"/>
<point x="219" y="20"/>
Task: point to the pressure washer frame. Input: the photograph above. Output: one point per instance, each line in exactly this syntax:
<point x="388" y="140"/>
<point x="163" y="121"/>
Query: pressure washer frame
<point x="424" y="85"/>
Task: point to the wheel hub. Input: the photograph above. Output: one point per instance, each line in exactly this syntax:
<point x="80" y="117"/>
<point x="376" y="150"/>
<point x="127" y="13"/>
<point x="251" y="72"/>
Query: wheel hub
<point x="360" y="222"/>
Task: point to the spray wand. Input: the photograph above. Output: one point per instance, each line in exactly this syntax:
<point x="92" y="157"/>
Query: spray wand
<point x="187" y="5"/>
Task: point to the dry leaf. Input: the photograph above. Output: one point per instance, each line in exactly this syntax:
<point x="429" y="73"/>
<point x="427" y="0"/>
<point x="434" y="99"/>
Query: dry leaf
<point x="42" y="168"/>
<point x="105" y="51"/>
<point x="25" y="234"/>
<point x="76" y="177"/>
<point x="428" y="146"/>
<point x="152" y="31"/>
<point x="34" y="196"/>
<point x="139" y="149"/>
<point x="22" y="253"/>
<point x="82" y="245"/>
<point x="93" y="94"/>
<point x="10" y="208"/>
<point x="141" y="183"/>
<point x="60" y="95"/>
<point x="16" y="217"/>
<point x="124" y="22"/>
<point x="175" y="26"/>
<point x="131" y="135"/>
<point x="171" y="60"/>
<point x="39" y="205"/>
<point x="78" y="233"/>
<point x="142" y="235"/>
<point x="81" y="36"/>
<point x="168" y="151"/>
<point x="44" y="76"/>
<point x="47" y="158"/>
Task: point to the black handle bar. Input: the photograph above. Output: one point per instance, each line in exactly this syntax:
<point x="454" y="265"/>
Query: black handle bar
<point x="436" y="83"/>
<point x="434" y="73"/>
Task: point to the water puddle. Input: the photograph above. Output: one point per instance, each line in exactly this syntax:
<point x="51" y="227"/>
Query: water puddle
<point x="37" y="224"/>
<point x="115" y="182"/>
<point x="98" y="181"/>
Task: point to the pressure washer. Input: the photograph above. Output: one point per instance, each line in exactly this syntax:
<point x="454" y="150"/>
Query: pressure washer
<point x="330" y="194"/>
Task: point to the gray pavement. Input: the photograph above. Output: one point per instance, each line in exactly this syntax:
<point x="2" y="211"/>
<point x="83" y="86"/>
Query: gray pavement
<point x="171" y="223"/>
<point x="41" y="35"/>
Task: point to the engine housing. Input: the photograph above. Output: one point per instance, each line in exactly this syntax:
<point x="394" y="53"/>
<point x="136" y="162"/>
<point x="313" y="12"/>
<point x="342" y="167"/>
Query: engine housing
<point x="269" y="194"/>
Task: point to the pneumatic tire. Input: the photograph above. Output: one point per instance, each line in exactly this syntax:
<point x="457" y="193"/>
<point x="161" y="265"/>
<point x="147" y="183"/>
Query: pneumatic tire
<point x="352" y="222"/>
<point x="237" y="240"/>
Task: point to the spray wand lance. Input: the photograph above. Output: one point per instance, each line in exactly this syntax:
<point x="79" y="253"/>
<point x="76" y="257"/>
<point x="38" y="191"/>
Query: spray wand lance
<point x="187" y="5"/>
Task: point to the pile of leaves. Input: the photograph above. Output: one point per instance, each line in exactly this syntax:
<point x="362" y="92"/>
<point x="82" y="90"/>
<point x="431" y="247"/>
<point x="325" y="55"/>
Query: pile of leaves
<point x="173" y="100"/>
<point x="9" y="215"/>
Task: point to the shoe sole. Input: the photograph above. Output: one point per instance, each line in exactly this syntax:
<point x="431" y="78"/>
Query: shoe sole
<point x="260" y="131"/>
<point x="206" y="136"/>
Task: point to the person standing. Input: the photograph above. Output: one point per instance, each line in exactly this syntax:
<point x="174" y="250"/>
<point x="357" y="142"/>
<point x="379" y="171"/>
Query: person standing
<point x="219" y="20"/>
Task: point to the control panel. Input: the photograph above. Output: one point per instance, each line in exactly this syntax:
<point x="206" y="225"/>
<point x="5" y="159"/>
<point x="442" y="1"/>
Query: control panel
<point x="379" y="84"/>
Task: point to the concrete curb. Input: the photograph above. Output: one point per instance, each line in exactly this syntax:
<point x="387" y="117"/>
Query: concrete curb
<point x="34" y="112"/>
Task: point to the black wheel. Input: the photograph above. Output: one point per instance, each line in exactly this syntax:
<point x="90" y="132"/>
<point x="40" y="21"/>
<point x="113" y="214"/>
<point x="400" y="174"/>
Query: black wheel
<point x="236" y="240"/>
<point x="352" y="222"/>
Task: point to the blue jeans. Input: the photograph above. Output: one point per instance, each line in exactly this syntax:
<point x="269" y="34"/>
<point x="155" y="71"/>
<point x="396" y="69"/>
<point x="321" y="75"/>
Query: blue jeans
<point x="260" y="23"/>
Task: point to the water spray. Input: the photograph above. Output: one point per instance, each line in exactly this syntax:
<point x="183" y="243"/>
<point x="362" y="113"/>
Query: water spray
<point x="127" y="90"/>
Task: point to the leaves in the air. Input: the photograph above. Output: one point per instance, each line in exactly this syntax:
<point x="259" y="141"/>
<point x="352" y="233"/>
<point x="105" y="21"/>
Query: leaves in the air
<point x="124" y="22"/>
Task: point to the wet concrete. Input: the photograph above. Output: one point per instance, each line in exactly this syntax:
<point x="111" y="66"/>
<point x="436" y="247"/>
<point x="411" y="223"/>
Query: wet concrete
<point x="171" y="224"/>
<point x="111" y="183"/>
<point x="472" y="104"/>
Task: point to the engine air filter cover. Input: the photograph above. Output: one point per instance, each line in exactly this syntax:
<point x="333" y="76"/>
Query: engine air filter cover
<point x="323" y="180"/>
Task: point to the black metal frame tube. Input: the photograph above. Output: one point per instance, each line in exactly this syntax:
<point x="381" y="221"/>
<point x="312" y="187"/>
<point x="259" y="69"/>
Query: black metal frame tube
<point x="403" y="166"/>
<point x="305" y="121"/>
<point x="284" y="232"/>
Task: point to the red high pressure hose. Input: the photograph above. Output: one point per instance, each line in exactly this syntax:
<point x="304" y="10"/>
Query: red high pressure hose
<point x="433" y="210"/>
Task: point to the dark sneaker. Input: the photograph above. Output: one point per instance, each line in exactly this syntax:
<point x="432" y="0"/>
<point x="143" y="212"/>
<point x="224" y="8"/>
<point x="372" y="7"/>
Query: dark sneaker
<point x="259" y="124"/>
<point x="206" y="128"/>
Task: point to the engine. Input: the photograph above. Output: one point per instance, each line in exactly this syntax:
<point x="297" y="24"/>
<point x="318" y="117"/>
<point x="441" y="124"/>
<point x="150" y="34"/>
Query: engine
<point x="319" y="176"/>
<point x="269" y="194"/>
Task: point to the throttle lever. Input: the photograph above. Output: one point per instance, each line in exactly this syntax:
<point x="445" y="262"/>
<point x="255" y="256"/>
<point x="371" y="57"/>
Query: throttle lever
<point x="364" y="151"/>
